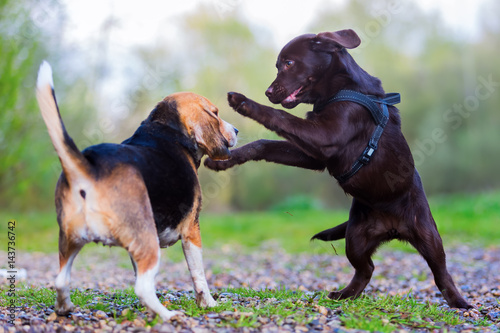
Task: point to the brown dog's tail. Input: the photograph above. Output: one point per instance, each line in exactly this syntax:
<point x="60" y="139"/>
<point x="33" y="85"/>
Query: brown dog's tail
<point x="332" y="234"/>
<point x="75" y="165"/>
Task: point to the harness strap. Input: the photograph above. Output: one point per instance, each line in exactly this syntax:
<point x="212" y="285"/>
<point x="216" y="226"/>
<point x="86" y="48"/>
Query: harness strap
<point x="381" y="117"/>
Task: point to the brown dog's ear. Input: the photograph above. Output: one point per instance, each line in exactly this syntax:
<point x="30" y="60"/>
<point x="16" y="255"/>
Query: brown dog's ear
<point x="335" y="41"/>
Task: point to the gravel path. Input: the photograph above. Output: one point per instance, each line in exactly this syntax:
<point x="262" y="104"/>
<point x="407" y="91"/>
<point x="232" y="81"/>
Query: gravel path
<point x="476" y="272"/>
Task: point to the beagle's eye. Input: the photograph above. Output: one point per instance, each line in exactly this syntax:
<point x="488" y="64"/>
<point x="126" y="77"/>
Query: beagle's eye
<point x="216" y="112"/>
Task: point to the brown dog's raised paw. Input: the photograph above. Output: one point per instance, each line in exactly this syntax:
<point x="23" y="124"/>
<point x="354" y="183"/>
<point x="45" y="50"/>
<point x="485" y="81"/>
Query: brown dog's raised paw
<point x="218" y="165"/>
<point x="237" y="101"/>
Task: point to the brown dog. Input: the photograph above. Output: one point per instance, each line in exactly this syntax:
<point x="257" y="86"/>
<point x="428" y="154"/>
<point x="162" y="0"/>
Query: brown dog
<point x="141" y="195"/>
<point x="388" y="198"/>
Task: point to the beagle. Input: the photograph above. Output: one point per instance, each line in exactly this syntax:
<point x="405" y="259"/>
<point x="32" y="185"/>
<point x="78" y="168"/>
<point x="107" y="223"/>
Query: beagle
<point x="142" y="194"/>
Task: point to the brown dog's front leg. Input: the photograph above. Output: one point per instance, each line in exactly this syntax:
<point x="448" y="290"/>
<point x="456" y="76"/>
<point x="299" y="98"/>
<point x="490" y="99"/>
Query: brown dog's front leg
<point x="317" y="139"/>
<point x="238" y="156"/>
<point x="281" y="152"/>
<point x="262" y="114"/>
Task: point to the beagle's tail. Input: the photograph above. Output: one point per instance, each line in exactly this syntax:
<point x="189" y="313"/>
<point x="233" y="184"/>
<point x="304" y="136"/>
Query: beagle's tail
<point x="75" y="165"/>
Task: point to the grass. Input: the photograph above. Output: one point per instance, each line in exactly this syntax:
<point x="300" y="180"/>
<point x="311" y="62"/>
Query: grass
<point x="388" y="313"/>
<point x="460" y="218"/>
<point x="373" y="313"/>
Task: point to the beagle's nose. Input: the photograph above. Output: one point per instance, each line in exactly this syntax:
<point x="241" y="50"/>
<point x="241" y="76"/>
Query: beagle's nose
<point x="236" y="130"/>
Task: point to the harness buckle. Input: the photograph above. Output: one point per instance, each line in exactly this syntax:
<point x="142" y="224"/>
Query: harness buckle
<point x="367" y="154"/>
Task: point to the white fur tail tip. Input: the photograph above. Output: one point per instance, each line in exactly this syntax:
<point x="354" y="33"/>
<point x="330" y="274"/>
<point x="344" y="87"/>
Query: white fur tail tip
<point x="44" y="75"/>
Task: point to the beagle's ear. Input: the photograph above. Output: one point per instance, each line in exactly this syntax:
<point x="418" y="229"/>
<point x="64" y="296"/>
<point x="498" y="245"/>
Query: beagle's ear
<point x="165" y="112"/>
<point x="335" y="41"/>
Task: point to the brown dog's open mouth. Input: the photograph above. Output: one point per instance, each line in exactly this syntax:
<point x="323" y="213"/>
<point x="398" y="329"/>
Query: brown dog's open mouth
<point x="293" y="96"/>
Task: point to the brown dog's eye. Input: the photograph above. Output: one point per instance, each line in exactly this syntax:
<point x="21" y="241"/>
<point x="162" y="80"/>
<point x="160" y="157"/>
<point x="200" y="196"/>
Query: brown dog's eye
<point x="288" y="63"/>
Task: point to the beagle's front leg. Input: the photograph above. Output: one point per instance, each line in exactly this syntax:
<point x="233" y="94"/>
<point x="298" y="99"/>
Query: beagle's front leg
<point x="191" y="245"/>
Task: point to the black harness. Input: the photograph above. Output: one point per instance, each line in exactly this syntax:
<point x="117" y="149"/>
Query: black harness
<point x="381" y="117"/>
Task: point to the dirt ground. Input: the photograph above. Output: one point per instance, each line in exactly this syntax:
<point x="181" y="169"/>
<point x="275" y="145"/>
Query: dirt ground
<point x="476" y="271"/>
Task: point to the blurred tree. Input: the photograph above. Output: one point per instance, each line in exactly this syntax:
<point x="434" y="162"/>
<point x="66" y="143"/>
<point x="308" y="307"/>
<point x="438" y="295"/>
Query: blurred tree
<point x="437" y="71"/>
<point x="412" y="52"/>
<point x="29" y="167"/>
<point x="21" y="173"/>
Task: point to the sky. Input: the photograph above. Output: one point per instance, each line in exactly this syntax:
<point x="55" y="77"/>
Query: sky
<point x="147" y="21"/>
<point x="129" y="24"/>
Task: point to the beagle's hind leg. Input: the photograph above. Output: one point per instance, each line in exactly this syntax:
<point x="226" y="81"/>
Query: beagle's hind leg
<point x="147" y="267"/>
<point x="132" y="225"/>
<point x="144" y="251"/>
<point x="67" y="253"/>
<point x="71" y="220"/>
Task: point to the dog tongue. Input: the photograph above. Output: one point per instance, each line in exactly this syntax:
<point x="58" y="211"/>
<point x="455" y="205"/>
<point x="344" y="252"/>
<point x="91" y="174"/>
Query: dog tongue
<point x="292" y="96"/>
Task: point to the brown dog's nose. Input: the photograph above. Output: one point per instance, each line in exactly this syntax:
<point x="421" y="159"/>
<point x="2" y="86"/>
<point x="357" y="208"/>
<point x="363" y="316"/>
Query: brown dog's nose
<point x="269" y="91"/>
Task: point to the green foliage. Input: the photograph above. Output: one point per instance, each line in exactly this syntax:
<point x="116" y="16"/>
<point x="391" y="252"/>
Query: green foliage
<point x="468" y="218"/>
<point x="29" y="167"/>
<point x="35" y="231"/>
<point x="460" y="219"/>
<point x="297" y="203"/>
<point x="21" y="172"/>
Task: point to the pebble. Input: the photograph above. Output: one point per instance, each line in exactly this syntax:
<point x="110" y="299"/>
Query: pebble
<point x="322" y="310"/>
<point x="52" y="317"/>
<point x="494" y="316"/>
<point x="100" y="314"/>
<point x="396" y="273"/>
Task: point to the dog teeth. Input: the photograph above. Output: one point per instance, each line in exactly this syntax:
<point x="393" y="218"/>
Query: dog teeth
<point x="293" y="95"/>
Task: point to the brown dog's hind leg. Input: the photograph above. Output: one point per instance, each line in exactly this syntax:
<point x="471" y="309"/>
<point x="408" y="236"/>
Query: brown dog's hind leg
<point x="362" y="239"/>
<point x="359" y="254"/>
<point x="425" y="238"/>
